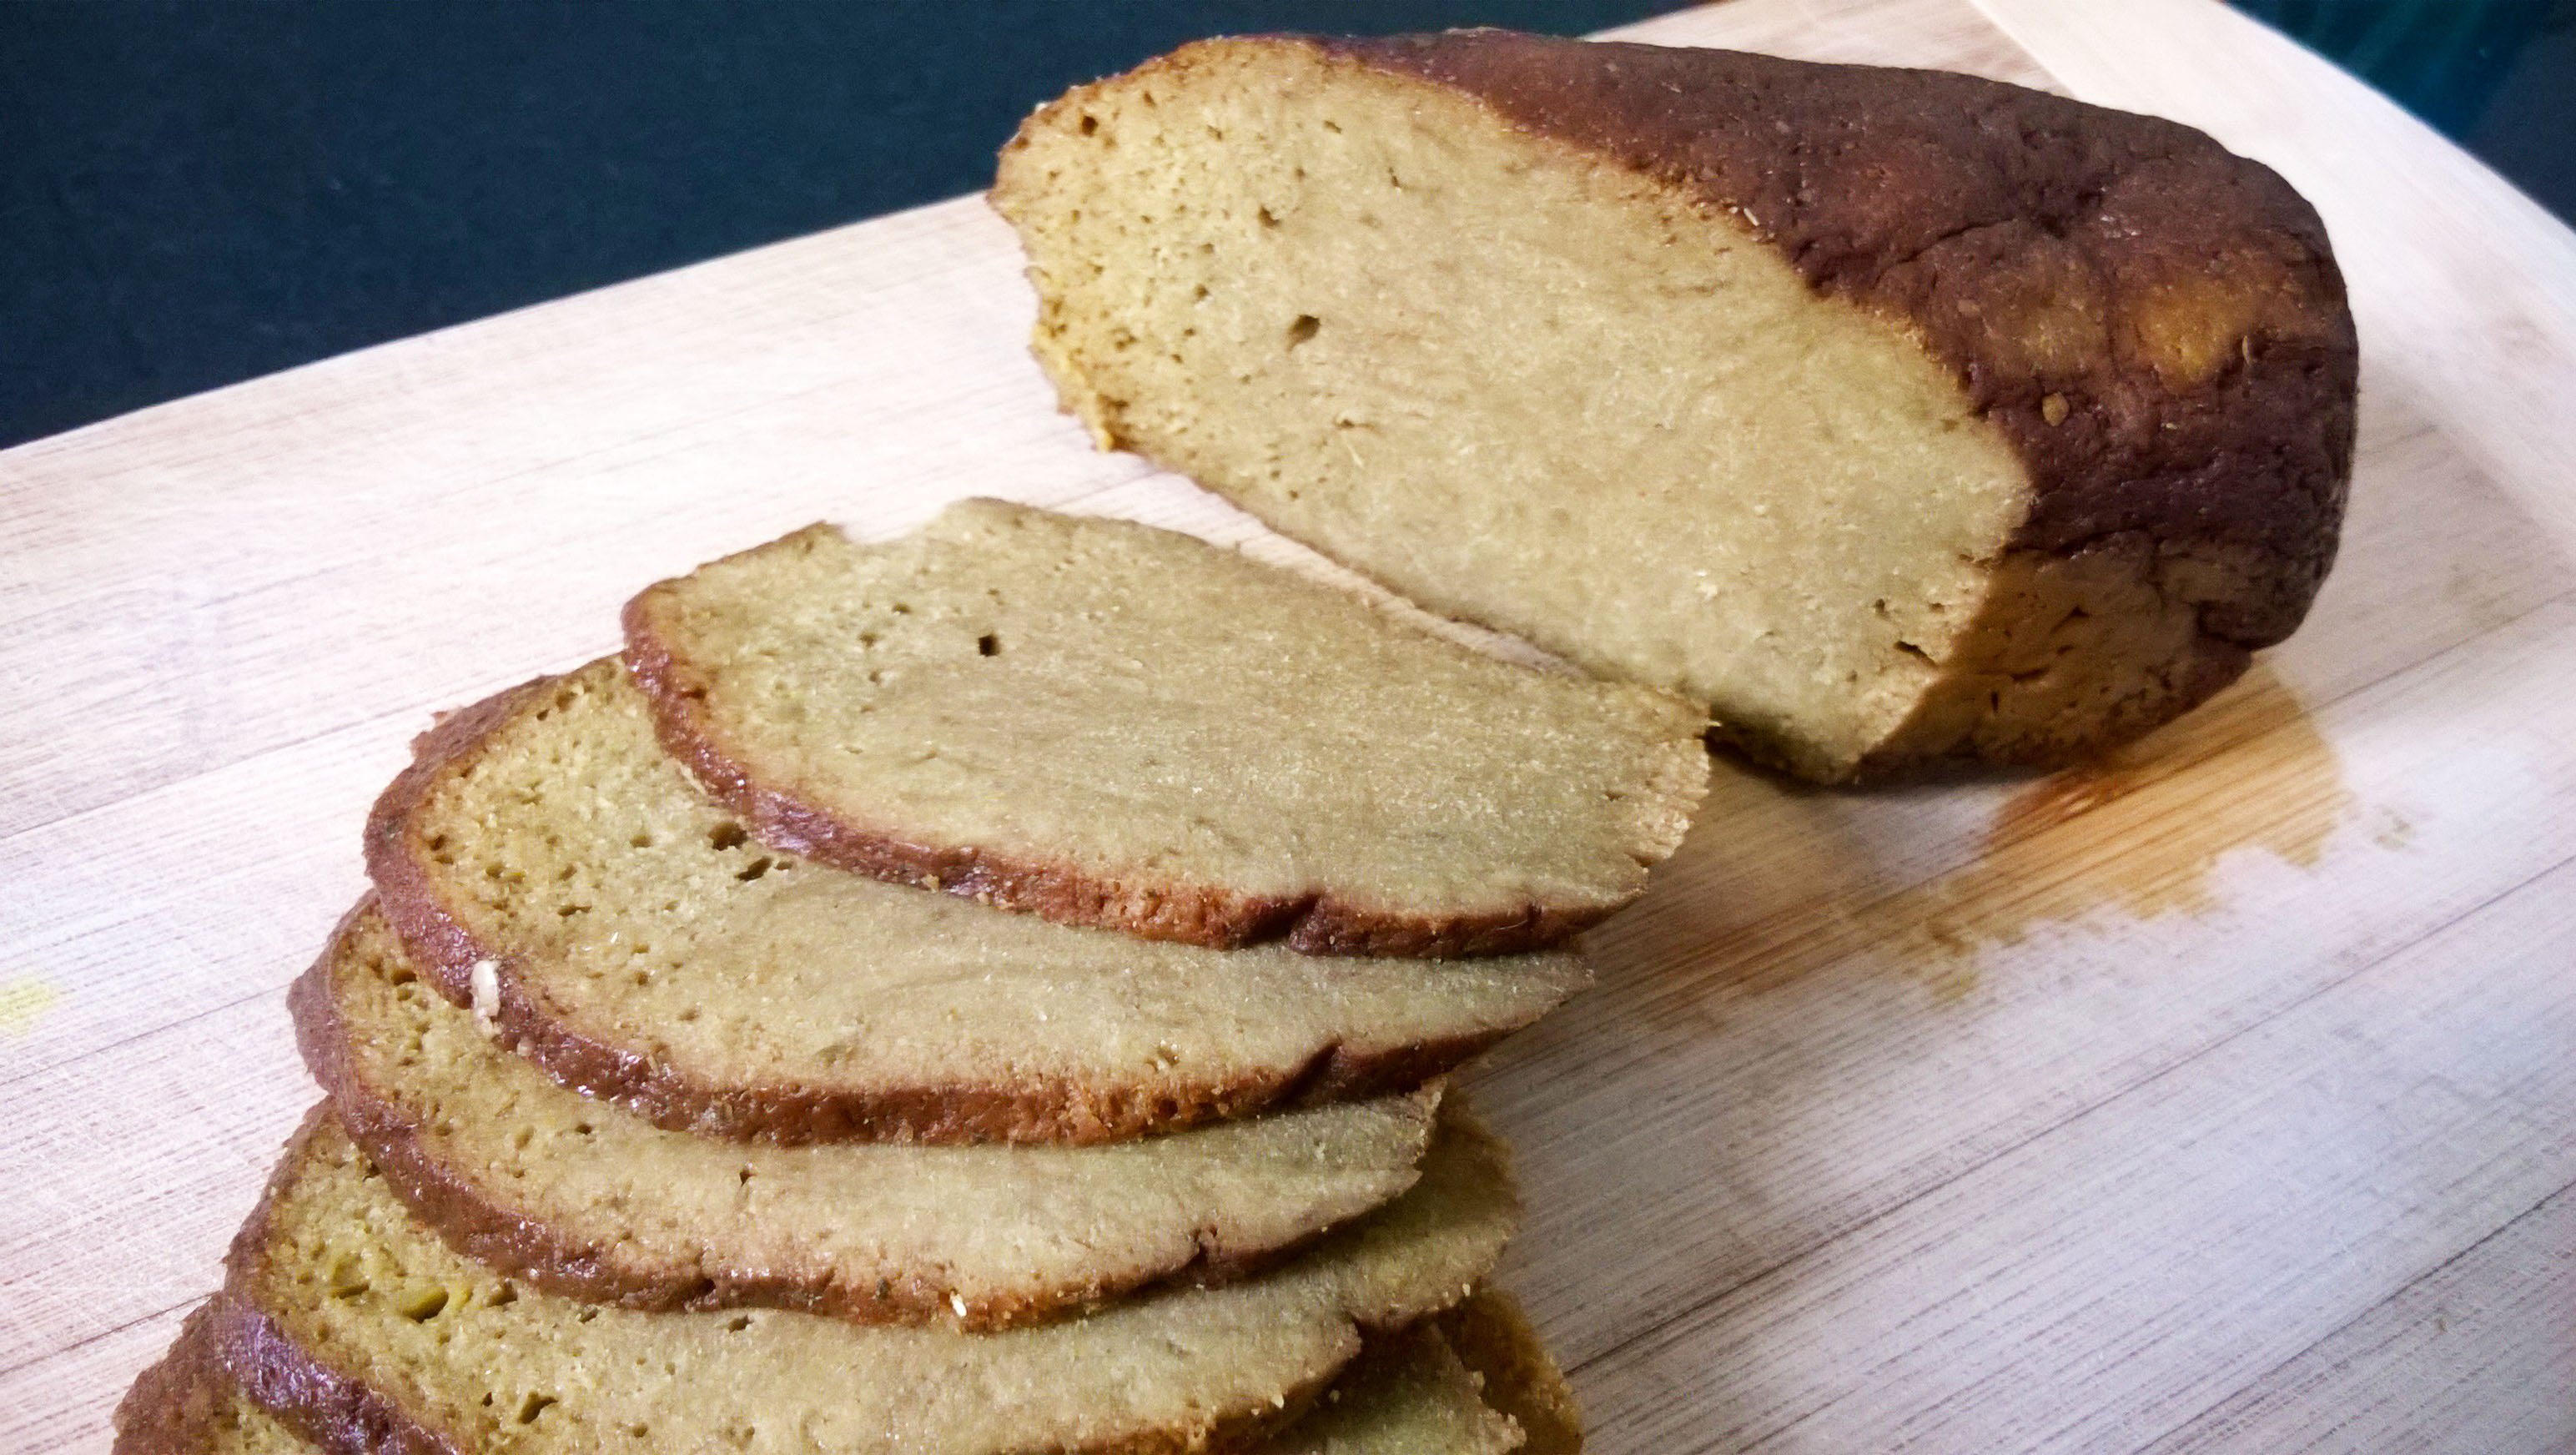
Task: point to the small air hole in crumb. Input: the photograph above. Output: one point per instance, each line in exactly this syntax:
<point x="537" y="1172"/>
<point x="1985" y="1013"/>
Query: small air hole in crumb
<point x="1267" y="220"/>
<point x="1090" y="124"/>
<point x="533" y="1406"/>
<point x="1302" y="328"/>
<point x="754" y="869"/>
<point x="725" y="836"/>
<point x="988" y="645"/>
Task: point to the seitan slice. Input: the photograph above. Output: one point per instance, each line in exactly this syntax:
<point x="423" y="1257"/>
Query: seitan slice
<point x="187" y="1405"/>
<point x="1407" y="1394"/>
<point x="586" y="1200"/>
<point x="1114" y="725"/>
<point x="354" y="1324"/>
<point x="1898" y="415"/>
<point x="1492" y="1336"/>
<point x="545" y="862"/>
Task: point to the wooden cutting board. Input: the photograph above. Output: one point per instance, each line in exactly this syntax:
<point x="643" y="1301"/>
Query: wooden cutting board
<point x="2222" y="1096"/>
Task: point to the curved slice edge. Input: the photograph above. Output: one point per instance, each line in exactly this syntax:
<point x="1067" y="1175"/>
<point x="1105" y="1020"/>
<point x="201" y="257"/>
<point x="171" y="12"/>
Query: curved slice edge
<point x="1038" y="1109"/>
<point x="1491" y="1334"/>
<point x="189" y="1404"/>
<point x="233" y="1339"/>
<point x="466" y="1216"/>
<point x="1318" y="923"/>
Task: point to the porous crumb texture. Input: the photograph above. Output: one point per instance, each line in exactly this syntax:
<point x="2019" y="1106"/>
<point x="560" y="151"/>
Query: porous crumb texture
<point x="360" y="1328"/>
<point x="1406" y="1394"/>
<point x="544" y="861"/>
<point x="1114" y="725"/>
<point x="1897" y="415"/>
<point x="587" y="1200"/>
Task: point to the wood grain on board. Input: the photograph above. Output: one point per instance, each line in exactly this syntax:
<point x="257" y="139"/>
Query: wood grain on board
<point x="2220" y="1096"/>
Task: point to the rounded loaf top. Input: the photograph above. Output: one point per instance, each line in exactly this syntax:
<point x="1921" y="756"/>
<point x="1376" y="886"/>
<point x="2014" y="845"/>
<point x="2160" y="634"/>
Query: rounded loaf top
<point x="2155" y="322"/>
<point x="1896" y="415"/>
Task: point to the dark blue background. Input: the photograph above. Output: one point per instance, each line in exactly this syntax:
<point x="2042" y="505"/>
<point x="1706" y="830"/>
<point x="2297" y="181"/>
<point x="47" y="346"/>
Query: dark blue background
<point x="194" y="192"/>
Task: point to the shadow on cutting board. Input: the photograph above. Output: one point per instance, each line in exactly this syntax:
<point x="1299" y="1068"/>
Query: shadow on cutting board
<point x="2141" y="832"/>
<point x="1780" y="880"/>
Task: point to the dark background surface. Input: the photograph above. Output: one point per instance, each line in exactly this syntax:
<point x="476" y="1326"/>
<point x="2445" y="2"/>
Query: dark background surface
<point x="194" y="192"/>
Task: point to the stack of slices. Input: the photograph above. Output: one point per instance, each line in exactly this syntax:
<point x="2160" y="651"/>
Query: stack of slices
<point x="983" y="992"/>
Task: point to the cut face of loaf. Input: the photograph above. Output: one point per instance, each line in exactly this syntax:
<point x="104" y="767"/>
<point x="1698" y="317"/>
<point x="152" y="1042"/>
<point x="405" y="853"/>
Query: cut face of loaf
<point x="1898" y="415"/>
<point x="1113" y="725"/>
<point x="584" y="1199"/>
<point x="363" y="1330"/>
<point x="1407" y="1394"/>
<point x="544" y="862"/>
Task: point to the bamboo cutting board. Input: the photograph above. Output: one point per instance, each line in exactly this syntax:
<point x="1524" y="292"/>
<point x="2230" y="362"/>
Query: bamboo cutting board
<point x="2219" y="1096"/>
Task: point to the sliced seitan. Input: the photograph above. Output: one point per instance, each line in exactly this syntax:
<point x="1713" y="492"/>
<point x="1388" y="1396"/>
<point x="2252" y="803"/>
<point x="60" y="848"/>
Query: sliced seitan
<point x="544" y="862"/>
<point x="1406" y="1394"/>
<point x="1109" y="724"/>
<point x="587" y="1200"/>
<point x="361" y="1329"/>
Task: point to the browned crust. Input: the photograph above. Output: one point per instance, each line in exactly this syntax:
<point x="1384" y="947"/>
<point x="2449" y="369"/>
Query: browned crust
<point x="2070" y="654"/>
<point x="2180" y="303"/>
<point x="2155" y="326"/>
<point x="320" y="1402"/>
<point x="1493" y="1337"/>
<point x="333" y="1410"/>
<point x="175" y="1406"/>
<point x="340" y="1413"/>
<point x="465" y="1214"/>
<point x="1038" y="1109"/>
<point x="1317" y="923"/>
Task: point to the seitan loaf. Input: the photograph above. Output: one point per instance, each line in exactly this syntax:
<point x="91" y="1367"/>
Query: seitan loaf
<point x="543" y="860"/>
<point x="361" y="1329"/>
<point x="1114" y="725"/>
<point x="587" y="1200"/>
<point x="1898" y="415"/>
